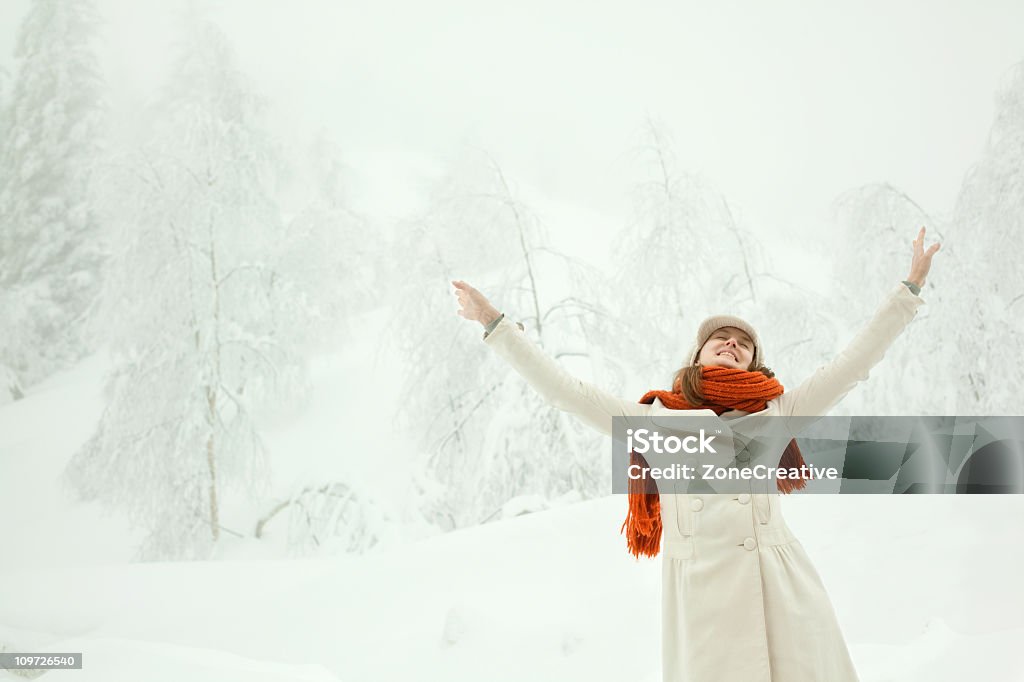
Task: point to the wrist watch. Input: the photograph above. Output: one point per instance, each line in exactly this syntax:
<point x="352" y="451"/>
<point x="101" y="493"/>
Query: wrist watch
<point x="914" y="289"/>
<point x="490" y="328"/>
<point x="494" y="325"/>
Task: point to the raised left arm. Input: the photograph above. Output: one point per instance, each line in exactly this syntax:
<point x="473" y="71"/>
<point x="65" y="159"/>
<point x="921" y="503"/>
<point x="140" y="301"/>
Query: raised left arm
<point x="830" y="383"/>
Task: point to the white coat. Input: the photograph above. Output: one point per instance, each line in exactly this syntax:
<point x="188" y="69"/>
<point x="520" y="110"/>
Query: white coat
<point x="741" y="600"/>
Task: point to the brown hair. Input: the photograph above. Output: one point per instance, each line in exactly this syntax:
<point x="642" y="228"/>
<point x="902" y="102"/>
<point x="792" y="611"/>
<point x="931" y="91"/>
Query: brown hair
<point x="689" y="382"/>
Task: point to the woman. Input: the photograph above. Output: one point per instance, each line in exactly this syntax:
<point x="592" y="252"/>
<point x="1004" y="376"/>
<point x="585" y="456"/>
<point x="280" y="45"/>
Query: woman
<point x="741" y="601"/>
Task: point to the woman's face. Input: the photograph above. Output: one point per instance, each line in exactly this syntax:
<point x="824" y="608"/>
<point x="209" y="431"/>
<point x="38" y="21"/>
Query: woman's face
<point x="727" y="347"/>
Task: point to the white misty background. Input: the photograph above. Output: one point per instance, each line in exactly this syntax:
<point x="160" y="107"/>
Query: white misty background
<point x="208" y="258"/>
<point x="246" y="261"/>
<point x="227" y="235"/>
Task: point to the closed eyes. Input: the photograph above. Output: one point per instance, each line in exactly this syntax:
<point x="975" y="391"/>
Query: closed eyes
<point x="742" y="343"/>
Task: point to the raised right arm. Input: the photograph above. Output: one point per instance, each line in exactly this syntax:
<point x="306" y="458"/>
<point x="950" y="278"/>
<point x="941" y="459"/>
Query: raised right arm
<point x="556" y="385"/>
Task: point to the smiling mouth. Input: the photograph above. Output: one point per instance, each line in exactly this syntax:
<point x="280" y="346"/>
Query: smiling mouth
<point x="729" y="353"/>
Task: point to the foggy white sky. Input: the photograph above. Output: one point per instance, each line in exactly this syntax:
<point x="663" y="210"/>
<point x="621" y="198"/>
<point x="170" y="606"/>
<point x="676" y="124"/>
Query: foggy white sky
<point x="782" y="107"/>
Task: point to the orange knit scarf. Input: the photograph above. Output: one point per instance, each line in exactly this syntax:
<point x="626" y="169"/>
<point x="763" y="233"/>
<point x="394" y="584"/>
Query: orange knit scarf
<point x="724" y="389"/>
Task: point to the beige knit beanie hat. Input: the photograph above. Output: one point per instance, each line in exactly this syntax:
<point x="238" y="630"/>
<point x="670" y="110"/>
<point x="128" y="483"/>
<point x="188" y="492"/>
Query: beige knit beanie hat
<point x="708" y="327"/>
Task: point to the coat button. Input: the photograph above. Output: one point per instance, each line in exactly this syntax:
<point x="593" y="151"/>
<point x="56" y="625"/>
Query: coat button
<point x="749" y="544"/>
<point x="697" y="504"/>
<point x="744" y="498"/>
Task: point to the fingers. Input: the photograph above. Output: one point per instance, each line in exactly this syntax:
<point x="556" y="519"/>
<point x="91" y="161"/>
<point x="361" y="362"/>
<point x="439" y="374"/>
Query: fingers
<point x="922" y="257"/>
<point x="918" y="244"/>
<point x="466" y="299"/>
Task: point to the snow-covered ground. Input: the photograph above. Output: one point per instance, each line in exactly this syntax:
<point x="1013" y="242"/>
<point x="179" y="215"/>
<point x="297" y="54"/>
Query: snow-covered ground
<point x="925" y="587"/>
<point x="933" y="595"/>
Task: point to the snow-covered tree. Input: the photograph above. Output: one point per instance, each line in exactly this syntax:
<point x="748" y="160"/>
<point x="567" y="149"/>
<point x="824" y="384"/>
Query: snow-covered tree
<point x="328" y="249"/>
<point x="687" y="255"/>
<point x="984" y="264"/>
<point x="486" y="435"/>
<point x="683" y="257"/>
<point x="876" y="225"/>
<point x="205" y="328"/>
<point x="51" y="252"/>
<point x="10" y="386"/>
<point x="334" y="255"/>
<point x="335" y="514"/>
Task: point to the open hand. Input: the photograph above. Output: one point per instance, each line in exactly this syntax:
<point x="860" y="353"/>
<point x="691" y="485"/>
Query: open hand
<point x="474" y="305"/>
<point x="922" y="262"/>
